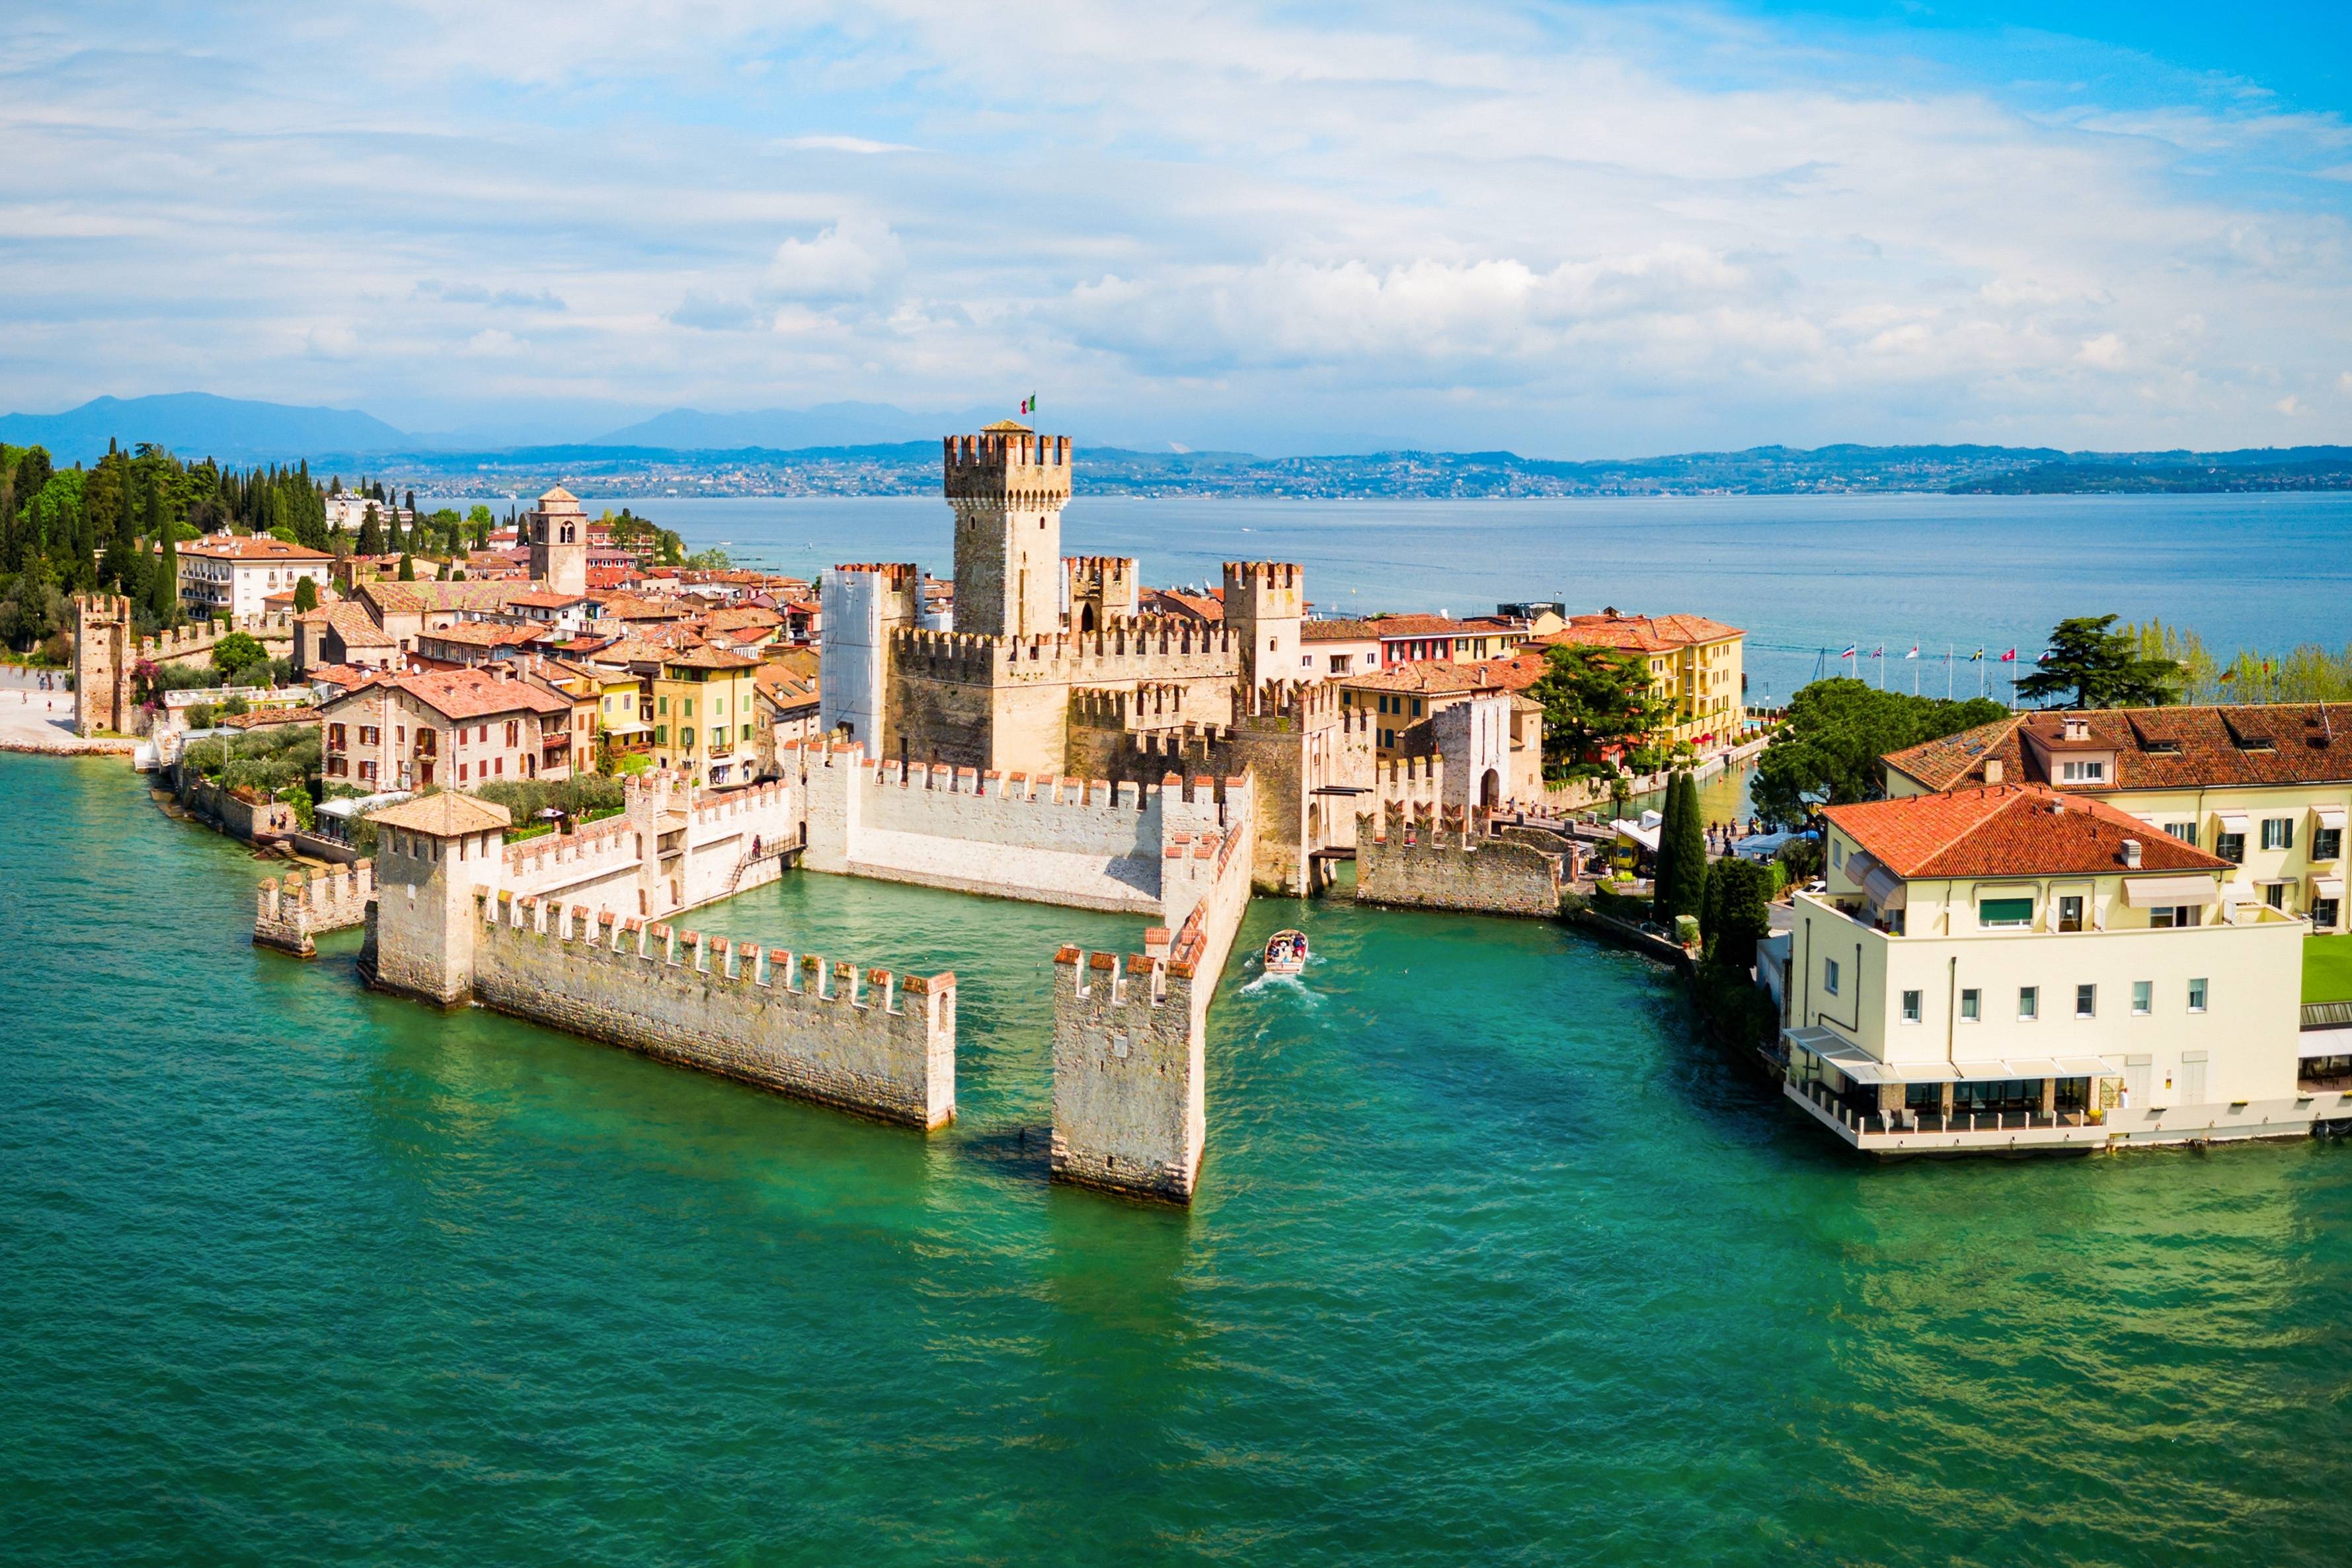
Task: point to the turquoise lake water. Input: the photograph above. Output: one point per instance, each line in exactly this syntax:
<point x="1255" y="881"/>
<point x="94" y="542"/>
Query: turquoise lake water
<point x="1492" y="1262"/>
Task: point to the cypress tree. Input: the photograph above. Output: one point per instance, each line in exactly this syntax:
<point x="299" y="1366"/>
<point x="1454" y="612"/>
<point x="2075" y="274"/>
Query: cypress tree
<point x="1682" y="853"/>
<point x="306" y="595"/>
<point x="164" y="591"/>
<point x="407" y="569"/>
<point x="371" y="533"/>
<point x="1662" y="871"/>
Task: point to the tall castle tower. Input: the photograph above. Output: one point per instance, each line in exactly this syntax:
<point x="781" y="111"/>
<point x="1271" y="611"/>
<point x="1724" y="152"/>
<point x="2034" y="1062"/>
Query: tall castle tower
<point x="1008" y="486"/>
<point x="1263" y="602"/>
<point x="557" y="531"/>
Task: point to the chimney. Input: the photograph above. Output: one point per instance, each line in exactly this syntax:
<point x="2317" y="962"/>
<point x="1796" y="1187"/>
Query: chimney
<point x="2131" y="853"/>
<point x="1992" y="770"/>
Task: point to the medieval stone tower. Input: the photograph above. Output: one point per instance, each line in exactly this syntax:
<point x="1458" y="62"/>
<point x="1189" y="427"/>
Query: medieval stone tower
<point x="1263" y="600"/>
<point x="1008" y="486"/>
<point x="557" y="531"/>
<point x="103" y="655"/>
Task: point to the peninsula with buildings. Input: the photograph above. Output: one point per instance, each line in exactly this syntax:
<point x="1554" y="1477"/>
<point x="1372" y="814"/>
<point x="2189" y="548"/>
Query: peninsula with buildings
<point x="518" y="767"/>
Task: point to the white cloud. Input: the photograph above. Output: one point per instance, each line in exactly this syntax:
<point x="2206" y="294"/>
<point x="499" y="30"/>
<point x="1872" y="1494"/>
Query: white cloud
<point x="2288" y="406"/>
<point x="855" y="258"/>
<point x="1581" y="232"/>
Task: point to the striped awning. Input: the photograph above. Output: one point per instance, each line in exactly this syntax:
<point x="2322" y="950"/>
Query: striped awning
<point x="2150" y="892"/>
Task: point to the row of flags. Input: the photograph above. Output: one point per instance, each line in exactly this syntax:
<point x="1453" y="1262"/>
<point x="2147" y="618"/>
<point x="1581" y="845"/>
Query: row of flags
<point x="1853" y="650"/>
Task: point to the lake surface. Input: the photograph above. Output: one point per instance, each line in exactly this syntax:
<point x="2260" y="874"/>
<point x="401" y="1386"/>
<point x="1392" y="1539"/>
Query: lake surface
<point x="1492" y="1262"/>
<point x="1805" y="576"/>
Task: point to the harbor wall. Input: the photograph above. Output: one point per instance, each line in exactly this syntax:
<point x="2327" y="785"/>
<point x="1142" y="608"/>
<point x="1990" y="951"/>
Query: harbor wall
<point x="1438" y="861"/>
<point x="290" y="912"/>
<point x="1130" y="1105"/>
<point x="866" y="1040"/>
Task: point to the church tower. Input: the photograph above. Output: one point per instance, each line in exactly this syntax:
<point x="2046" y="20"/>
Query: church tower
<point x="557" y="531"/>
<point x="1008" y="485"/>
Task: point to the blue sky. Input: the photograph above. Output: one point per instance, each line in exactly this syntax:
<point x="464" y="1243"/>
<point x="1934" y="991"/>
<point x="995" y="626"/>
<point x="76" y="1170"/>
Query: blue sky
<point x="1571" y="230"/>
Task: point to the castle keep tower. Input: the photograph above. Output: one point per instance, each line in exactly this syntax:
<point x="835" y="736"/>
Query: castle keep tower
<point x="1008" y="486"/>
<point x="1263" y="600"/>
<point x="557" y="531"/>
<point x="103" y="657"/>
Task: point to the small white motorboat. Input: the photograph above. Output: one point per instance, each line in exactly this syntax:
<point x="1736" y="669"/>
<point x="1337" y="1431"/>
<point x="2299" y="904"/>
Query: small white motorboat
<point x="1285" y="953"/>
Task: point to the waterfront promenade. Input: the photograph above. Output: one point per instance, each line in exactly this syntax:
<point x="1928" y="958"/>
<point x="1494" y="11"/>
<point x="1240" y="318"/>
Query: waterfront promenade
<point x="32" y="719"/>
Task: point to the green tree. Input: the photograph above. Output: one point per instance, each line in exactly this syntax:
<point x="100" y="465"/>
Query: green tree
<point x="1682" y="854"/>
<point x="32" y="610"/>
<point x="1593" y="699"/>
<point x="1737" y="913"/>
<point x="408" y="565"/>
<point x="479" y="518"/>
<point x="163" y="589"/>
<point x="711" y="560"/>
<point x="371" y="532"/>
<point x="1827" y="749"/>
<point x="2092" y="665"/>
<point x="237" y="650"/>
<point x="306" y="595"/>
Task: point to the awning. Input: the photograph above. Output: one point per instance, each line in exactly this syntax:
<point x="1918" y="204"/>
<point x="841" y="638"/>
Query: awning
<point x="2329" y="815"/>
<point x="2150" y="892"/>
<point x="1884" y="888"/>
<point x="2233" y="821"/>
<point x="2324" y="1043"/>
<point x="2327" y="886"/>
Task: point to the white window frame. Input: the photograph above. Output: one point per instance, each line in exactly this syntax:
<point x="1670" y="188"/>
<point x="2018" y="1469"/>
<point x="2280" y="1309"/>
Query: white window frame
<point x="2029" y="1003"/>
<point x="1912" y="1006"/>
<point x="2143" y="998"/>
<point x="2091" y="1010"/>
<point x="2200" y="994"/>
<point x="1971" y="1005"/>
<point x="1829" y="976"/>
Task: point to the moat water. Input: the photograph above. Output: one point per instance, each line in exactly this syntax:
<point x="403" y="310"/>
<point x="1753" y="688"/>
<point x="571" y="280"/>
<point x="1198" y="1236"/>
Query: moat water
<point x="1492" y="1262"/>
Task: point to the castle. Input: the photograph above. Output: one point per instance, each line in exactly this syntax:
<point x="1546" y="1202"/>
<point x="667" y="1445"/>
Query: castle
<point x="1050" y="669"/>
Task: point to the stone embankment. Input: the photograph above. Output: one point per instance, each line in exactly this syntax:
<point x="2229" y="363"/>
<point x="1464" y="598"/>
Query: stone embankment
<point x="290" y="912"/>
<point x="1425" y="860"/>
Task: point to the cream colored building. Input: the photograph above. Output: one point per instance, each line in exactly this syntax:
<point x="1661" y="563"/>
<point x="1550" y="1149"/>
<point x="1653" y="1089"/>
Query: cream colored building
<point x="2267" y="788"/>
<point x="1696" y="668"/>
<point x="226" y="575"/>
<point x="2008" y="967"/>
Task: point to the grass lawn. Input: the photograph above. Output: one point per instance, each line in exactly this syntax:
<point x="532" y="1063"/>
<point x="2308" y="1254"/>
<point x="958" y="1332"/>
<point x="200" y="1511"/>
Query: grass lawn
<point x="2328" y="969"/>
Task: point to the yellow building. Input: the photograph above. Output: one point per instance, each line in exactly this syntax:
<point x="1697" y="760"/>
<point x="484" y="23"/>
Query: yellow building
<point x="2006" y="968"/>
<point x="1695" y="667"/>
<point x="2267" y="788"/>
<point x="705" y="711"/>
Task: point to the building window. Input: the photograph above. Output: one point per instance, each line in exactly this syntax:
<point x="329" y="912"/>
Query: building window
<point x="2278" y="832"/>
<point x="461" y="771"/>
<point x="1910" y="1006"/>
<point x="1837" y="854"/>
<point x="2231" y="846"/>
<point x="1829" y="976"/>
<point x="1999" y="913"/>
<point x="514" y="731"/>
<point x="661" y="734"/>
<point x="2325" y="913"/>
<point x="2197" y="996"/>
<point x="661" y="704"/>
<point x="2326" y="843"/>
<point x="2070" y="913"/>
<point x="2029" y="1003"/>
<point x="2184" y="831"/>
<point x="2274" y="895"/>
<point x="2171" y="917"/>
<point x="2082" y="773"/>
<point x="2086" y="1001"/>
<point x="1971" y="1005"/>
<point x="2143" y="998"/>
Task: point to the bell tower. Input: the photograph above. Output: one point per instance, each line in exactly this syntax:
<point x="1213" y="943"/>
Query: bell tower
<point x="558" y="528"/>
<point x="1008" y="486"/>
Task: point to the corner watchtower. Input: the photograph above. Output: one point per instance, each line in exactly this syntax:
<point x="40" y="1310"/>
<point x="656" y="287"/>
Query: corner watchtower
<point x="1008" y="486"/>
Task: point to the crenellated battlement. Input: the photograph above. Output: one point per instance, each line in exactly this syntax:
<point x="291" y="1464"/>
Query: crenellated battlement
<point x="1417" y="856"/>
<point x="292" y="909"/>
<point x="1155" y="705"/>
<point x="1310" y="704"/>
<point x="871" y="1039"/>
<point x="1142" y="648"/>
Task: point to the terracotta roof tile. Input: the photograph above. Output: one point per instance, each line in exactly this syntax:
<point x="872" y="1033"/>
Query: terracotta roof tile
<point x="2155" y="748"/>
<point x="2009" y="830"/>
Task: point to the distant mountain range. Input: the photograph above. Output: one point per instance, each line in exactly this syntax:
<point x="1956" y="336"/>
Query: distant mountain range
<point x="871" y="448"/>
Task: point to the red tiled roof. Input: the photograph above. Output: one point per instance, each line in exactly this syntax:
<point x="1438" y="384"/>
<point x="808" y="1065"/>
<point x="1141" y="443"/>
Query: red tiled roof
<point x="1638" y="634"/>
<point x="256" y="547"/>
<point x="1516" y="673"/>
<point x="478" y="694"/>
<point x="2009" y="830"/>
<point x="2156" y="748"/>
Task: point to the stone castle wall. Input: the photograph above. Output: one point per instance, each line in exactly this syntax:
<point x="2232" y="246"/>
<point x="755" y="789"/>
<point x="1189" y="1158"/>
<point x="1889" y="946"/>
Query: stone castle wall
<point x="864" y="1040"/>
<point x="1084" y="844"/>
<point x="106" y="653"/>
<point x="1131" y="1104"/>
<point x="1437" y="861"/>
<point x="290" y="912"/>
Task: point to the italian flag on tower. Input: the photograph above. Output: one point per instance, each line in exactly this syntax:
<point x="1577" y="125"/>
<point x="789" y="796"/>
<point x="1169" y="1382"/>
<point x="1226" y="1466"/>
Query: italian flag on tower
<point x="1029" y="403"/>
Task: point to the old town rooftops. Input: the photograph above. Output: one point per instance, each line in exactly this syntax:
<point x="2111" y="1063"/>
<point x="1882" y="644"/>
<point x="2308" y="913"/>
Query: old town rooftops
<point x="446" y="814"/>
<point x="710" y="656"/>
<point x="259" y="547"/>
<point x="1389" y="628"/>
<point x="1640" y="634"/>
<point x="2010" y="830"/>
<point x="463" y="695"/>
<point x="485" y="634"/>
<point x="411" y="597"/>
<point x="2153" y="748"/>
<point x="1436" y="676"/>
